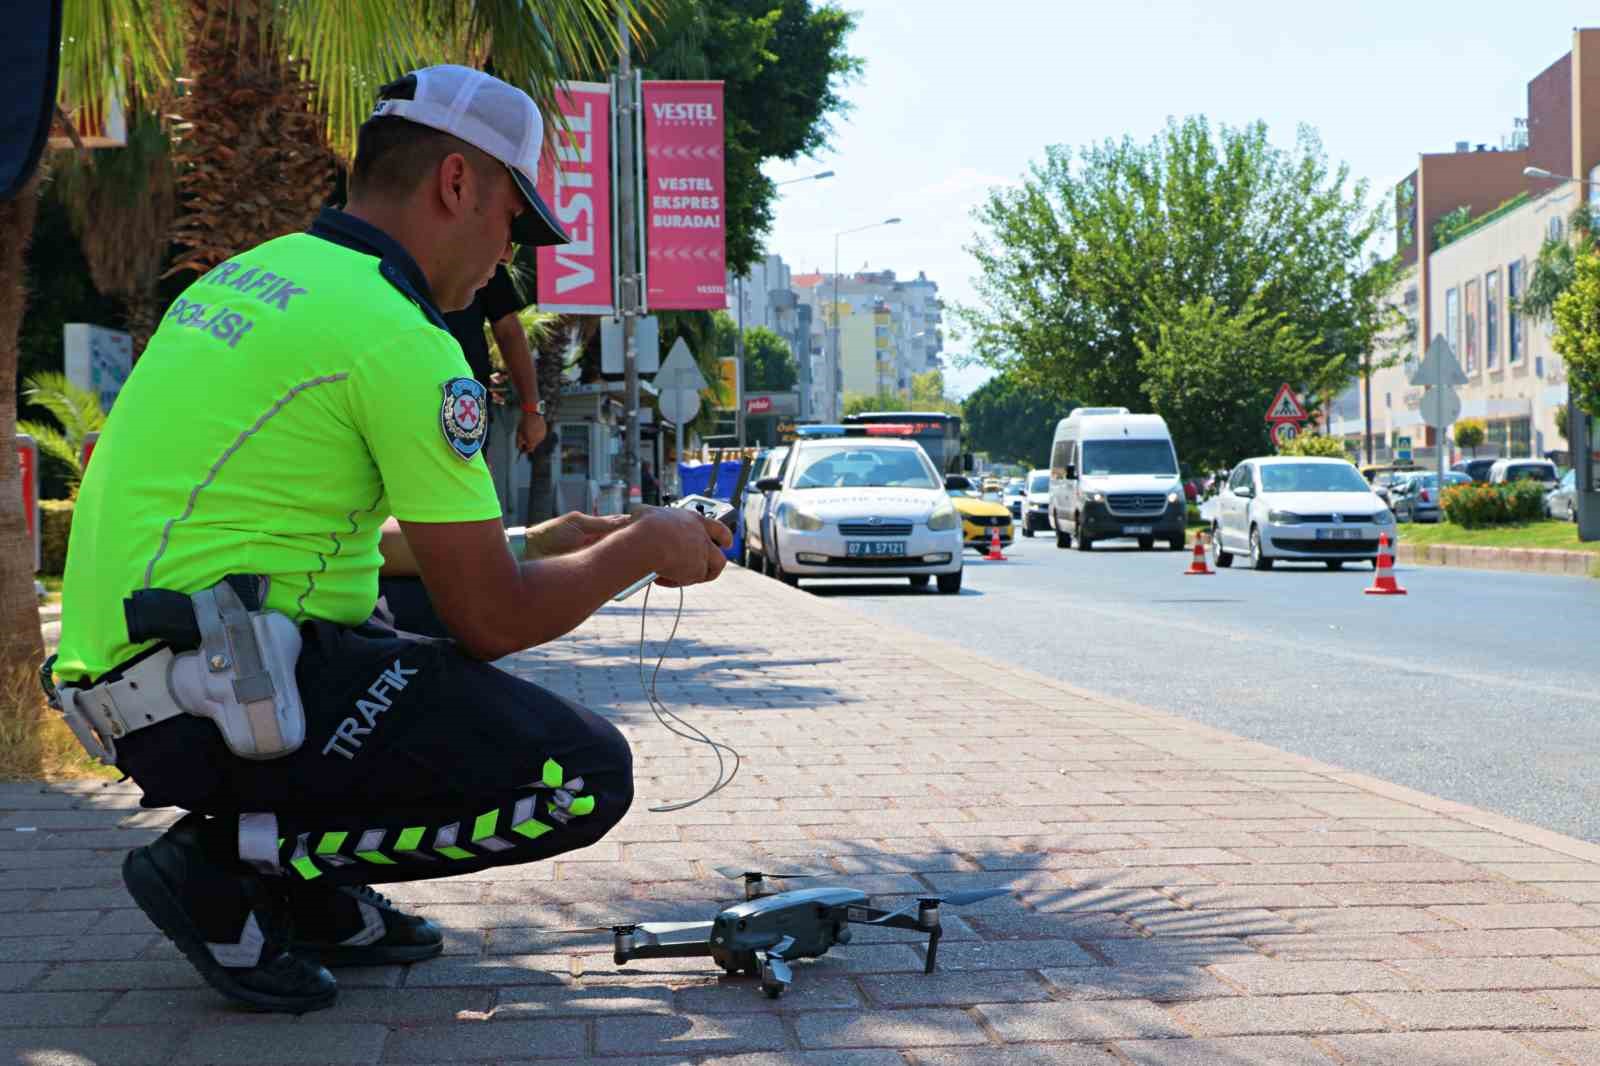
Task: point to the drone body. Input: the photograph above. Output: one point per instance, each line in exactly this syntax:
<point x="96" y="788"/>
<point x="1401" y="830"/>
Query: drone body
<point x="760" y="936"/>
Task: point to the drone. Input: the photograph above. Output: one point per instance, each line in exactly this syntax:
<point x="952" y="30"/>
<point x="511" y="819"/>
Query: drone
<point x="762" y="935"/>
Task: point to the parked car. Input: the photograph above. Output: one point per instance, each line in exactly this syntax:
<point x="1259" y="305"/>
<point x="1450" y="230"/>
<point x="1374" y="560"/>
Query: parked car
<point x="1476" y="469"/>
<point x="856" y="507"/>
<point x="1507" y="470"/>
<point x="1036" y="516"/>
<point x="757" y="511"/>
<point x="1562" y="500"/>
<point x="1015" y="496"/>
<point x="1299" y="508"/>
<point x="1115" y="474"/>
<point x="1381" y="476"/>
<point x="978" y="514"/>
<point x="1418" y="498"/>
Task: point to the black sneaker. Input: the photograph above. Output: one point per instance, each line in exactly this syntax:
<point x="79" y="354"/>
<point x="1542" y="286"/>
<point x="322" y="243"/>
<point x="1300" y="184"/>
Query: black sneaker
<point x="228" y="923"/>
<point x="351" y="925"/>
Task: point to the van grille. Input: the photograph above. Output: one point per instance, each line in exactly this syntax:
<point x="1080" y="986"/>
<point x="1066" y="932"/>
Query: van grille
<point x="1136" y="503"/>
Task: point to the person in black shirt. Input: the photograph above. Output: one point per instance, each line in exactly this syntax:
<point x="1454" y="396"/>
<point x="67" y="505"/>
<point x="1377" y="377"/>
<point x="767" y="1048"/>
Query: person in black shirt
<point x="498" y="303"/>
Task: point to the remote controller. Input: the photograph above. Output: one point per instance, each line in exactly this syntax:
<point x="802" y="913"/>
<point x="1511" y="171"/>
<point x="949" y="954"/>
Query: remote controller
<point x="708" y="507"/>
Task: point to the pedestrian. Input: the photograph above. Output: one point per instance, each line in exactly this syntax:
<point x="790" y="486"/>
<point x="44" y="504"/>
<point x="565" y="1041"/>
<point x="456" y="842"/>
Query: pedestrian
<point x="647" y="485"/>
<point x="293" y="399"/>
<point x="496" y="305"/>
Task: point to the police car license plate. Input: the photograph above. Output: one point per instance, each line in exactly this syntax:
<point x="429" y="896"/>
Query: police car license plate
<point x="1138" y="531"/>
<point x="1338" y="534"/>
<point x="874" y="548"/>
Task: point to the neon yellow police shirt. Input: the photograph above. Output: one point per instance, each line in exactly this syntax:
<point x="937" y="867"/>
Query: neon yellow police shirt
<point x="289" y="402"/>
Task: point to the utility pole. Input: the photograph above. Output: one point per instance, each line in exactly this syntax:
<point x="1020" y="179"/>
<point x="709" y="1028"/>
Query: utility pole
<point x="738" y="364"/>
<point x="628" y="289"/>
<point x="1366" y="383"/>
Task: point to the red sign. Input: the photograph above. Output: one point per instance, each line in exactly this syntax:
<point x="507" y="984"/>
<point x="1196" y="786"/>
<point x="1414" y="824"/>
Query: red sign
<point x="575" y="180"/>
<point x="758" y="405"/>
<point x="685" y="202"/>
<point x="89" y="441"/>
<point x="28" y="464"/>
<point x="1284" y="432"/>
<point x="1286" y="406"/>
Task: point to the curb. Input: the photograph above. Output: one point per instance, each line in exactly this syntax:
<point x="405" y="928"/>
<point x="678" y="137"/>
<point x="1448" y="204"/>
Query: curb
<point x="1525" y="560"/>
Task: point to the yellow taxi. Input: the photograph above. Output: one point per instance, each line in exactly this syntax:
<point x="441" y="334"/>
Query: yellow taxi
<point x="978" y="515"/>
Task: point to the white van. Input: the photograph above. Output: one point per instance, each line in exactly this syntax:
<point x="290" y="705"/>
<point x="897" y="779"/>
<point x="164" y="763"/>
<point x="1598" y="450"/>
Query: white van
<point x="1115" y="474"/>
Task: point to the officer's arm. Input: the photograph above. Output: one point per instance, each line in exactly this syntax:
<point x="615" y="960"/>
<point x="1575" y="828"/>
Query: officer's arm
<point x="398" y="561"/>
<point x="495" y="604"/>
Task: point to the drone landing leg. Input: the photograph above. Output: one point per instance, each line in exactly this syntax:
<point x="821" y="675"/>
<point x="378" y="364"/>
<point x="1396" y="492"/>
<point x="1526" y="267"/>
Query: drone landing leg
<point x="933" y="949"/>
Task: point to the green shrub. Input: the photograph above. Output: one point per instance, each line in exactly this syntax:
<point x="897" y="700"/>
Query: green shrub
<point x="55" y="526"/>
<point x="1307" y="444"/>
<point x="1476" y="504"/>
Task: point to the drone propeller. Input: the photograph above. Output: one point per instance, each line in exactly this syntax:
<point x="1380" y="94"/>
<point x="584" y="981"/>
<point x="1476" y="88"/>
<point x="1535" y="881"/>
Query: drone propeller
<point x="954" y="899"/>
<point x="735" y="873"/>
<point x="620" y="927"/>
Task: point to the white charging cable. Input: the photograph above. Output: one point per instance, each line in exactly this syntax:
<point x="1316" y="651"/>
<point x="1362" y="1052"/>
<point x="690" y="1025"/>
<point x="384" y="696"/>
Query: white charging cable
<point x="662" y="713"/>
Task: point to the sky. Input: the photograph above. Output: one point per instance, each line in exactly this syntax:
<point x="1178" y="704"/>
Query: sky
<point x="959" y="97"/>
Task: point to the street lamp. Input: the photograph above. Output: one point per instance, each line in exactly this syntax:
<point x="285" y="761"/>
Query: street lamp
<point x="835" y="362"/>
<point x="1541" y="172"/>
<point x="738" y="341"/>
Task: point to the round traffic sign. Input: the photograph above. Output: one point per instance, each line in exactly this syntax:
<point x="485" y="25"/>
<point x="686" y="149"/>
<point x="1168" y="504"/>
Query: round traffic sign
<point x="679" y="406"/>
<point x="1284" y="432"/>
<point x="1440" y="407"/>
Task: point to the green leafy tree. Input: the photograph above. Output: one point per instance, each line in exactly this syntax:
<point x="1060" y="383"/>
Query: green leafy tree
<point x="1470" y="433"/>
<point x="1556" y="265"/>
<point x="769" y="365"/>
<point x="784" y="65"/>
<point x="1311" y="445"/>
<point x="76" y="413"/>
<point x="1011" y="420"/>
<point x="927" y="393"/>
<point x="1212" y="373"/>
<point x="1203" y="230"/>
<point x="858" y="403"/>
<point x="1577" y="318"/>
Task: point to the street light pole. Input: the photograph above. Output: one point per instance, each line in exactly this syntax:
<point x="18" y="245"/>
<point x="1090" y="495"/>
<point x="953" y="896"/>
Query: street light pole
<point x="836" y="363"/>
<point x="628" y="290"/>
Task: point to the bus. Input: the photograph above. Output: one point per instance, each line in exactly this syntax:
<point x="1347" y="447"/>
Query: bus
<point x="937" y="432"/>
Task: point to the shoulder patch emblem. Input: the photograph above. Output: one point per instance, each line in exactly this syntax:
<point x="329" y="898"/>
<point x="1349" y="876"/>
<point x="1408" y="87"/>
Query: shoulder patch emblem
<point x="464" y="416"/>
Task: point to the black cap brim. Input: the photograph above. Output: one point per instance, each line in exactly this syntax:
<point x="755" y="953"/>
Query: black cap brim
<point x="536" y="226"/>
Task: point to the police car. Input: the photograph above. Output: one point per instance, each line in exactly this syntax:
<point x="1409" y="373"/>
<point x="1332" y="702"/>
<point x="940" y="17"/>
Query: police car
<point x="857" y="502"/>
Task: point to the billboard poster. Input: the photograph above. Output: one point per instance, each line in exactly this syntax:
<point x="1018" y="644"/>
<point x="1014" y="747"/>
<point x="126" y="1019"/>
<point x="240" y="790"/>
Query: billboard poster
<point x="684" y="196"/>
<point x="575" y="180"/>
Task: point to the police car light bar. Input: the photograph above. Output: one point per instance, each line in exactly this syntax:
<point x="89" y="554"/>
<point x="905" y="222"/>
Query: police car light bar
<point x="873" y="429"/>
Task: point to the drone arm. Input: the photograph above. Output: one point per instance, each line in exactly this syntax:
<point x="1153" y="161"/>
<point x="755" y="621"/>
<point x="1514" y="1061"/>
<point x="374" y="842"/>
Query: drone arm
<point x="663" y="940"/>
<point x="888" y="919"/>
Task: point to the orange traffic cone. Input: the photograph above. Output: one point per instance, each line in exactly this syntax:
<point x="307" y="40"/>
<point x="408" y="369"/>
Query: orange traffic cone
<point x="1384" y="583"/>
<point x="1199" y="566"/>
<point x="994" y="545"/>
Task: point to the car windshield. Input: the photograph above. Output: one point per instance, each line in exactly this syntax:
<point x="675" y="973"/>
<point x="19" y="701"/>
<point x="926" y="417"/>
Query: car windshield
<point x="1311" y="477"/>
<point x="855" y="466"/>
<point x="1040" y="483"/>
<point x="1103" y="458"/>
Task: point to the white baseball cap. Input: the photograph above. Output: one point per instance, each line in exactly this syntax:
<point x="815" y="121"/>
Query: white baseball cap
<point x="490" y="115"/>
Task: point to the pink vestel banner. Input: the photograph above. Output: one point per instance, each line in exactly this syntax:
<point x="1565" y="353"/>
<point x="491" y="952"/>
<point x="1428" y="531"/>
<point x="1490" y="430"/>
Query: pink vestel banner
<point x="575" y="180"/>
<point x="684" y="195"/>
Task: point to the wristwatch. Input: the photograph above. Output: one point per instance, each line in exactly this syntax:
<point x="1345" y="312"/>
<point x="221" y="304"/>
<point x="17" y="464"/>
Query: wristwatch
<point x="534" y="408"/>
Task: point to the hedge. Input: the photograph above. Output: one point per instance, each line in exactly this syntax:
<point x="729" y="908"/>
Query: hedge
<point x="1477" y="504"/>
<point x="55" y="524"/>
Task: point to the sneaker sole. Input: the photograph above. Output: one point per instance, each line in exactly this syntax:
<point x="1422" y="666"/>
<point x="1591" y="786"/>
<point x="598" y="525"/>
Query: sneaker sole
<point x="340" y="956"/>
<point x="151" y="893"/>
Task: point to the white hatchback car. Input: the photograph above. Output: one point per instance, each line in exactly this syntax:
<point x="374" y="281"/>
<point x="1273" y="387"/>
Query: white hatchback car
<point x="863" y="507"/>
<point x="1301" y="509"/>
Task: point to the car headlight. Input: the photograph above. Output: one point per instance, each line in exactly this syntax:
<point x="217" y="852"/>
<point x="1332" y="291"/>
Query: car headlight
<point x="1095" y="497"/>
<point x="943" y="517"/>
<point x="795" y="518"/>
<point x="1282" y="518"/>
<point x="1384" y="517"/>
<point x="1174" y="496"/>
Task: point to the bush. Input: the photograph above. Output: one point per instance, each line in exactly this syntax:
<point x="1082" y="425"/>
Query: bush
<point x="1476" y="504"/>
<point x="1306" y="444"/>
<point x="55" y="526"/>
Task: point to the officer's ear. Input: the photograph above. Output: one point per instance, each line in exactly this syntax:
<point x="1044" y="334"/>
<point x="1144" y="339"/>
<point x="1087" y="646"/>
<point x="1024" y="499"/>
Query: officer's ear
<point x="454" y="177"/>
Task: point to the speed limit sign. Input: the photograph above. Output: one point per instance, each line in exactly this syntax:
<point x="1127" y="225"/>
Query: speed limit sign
<point x="1284" y="432"/>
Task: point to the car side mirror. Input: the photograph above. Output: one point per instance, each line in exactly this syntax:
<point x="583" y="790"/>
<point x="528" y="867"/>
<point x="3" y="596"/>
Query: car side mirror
<point x="954" y="483"/>
<point x="1245" y="491"/>
<point x="769" y="484"/>
<point x="1071" y="473"/>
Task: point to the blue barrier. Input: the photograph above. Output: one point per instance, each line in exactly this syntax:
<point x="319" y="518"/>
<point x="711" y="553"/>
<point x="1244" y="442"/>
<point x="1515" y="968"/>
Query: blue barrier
<point x="695" y="477"/>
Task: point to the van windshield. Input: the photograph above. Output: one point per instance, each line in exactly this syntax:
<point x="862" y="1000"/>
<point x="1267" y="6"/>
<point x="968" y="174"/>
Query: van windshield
<point x="1039" y="483"/>
<point x="1103" y="458"/>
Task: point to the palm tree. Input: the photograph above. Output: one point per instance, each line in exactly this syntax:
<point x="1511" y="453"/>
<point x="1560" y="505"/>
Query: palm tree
<point x="328" y="58"/>
<point x="77" y="414"/>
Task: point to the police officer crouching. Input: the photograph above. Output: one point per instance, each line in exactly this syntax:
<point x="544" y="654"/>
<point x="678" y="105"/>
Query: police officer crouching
<point x="219" y="643"/>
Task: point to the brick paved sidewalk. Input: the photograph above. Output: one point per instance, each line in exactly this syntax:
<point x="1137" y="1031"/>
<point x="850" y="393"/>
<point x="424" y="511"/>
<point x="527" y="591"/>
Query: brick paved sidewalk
<point x="1182" y="895"/>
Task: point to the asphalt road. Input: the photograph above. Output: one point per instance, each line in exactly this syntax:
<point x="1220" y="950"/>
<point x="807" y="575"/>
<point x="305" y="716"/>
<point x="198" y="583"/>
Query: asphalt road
<point x="1478" y="686"/>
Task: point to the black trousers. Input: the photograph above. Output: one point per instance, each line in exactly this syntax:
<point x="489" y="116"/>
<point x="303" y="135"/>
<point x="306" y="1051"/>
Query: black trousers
<point x="418" y="763"/>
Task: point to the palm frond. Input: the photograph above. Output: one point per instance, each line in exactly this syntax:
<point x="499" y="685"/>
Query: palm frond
<point x="130" y="50"/>
<point x="75" y="408"/>
<point x="53" y="444"/>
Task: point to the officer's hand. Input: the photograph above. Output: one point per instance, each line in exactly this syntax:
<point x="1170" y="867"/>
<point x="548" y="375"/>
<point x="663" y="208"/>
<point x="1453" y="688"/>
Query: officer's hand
<point x="689" y="545"/>
<point x="531" y="431"/>
<point x="569" y="532"/>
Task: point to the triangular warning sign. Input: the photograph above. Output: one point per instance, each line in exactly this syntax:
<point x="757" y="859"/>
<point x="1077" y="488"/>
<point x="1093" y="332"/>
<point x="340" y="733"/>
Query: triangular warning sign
<point x="1286" y="406"/>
